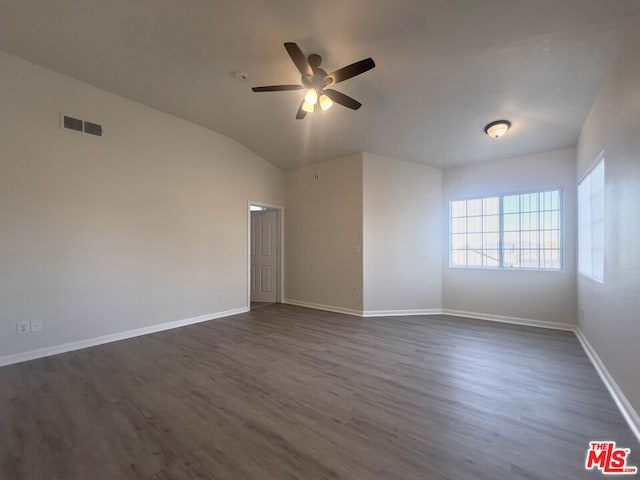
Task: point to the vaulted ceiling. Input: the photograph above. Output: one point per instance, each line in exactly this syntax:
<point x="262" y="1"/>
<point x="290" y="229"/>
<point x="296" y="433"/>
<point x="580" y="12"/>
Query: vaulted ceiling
<point x="445" y="68"/>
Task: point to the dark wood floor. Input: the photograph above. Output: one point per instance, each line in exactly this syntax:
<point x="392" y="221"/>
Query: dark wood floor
<point x="290" y="393"/>
<point x="256" y="305"/>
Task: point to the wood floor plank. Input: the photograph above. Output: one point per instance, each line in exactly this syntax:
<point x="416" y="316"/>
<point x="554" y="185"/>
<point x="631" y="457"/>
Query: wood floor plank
<point x="284" y="392"/>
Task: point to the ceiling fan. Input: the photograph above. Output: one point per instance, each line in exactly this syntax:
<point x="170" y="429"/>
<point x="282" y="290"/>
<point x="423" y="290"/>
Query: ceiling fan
<point x="317" y="82"/>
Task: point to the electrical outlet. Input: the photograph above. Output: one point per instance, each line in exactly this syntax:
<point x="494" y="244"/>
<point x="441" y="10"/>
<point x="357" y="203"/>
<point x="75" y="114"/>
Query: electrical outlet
<point x="22" y="327"/>
<point x="221" y="298"/>
<point x="357" y="250"/>
<point x="36" y="326"/>
<point x="357" y="294"/>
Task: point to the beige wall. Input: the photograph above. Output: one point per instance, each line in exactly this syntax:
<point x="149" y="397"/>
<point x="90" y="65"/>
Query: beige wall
<point x="101" y="235"/>
<point x="532" y="295"/>
<point x="610" y="312"/>
<point x="323" y="239"/>
<point x="402" y="254"/>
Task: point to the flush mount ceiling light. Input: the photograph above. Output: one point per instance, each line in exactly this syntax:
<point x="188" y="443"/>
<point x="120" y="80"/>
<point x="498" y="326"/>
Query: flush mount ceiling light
<point x="498" y="128"/>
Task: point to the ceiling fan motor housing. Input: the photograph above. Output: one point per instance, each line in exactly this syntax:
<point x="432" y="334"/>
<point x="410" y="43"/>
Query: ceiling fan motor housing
<point x="314" y="60"/>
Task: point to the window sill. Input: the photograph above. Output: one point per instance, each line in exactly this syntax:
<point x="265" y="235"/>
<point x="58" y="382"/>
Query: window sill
<point x="502" y="269"/>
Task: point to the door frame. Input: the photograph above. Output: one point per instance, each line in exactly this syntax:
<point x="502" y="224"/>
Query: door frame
<point x="280" y="250"/>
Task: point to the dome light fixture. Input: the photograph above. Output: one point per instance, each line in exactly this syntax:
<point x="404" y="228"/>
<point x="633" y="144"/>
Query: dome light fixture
<point x="498" y="128"/>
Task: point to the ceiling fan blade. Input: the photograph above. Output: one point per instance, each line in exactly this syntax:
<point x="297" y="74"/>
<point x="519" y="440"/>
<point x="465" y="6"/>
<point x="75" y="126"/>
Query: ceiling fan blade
<point x="277" y="88"/>
<point x="301" y="113"/>
<point x="298" y="58"/>
<point x="342" y="99"/>
<point x="345" y="73"/>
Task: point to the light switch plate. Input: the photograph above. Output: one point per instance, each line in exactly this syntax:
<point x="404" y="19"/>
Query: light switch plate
<point x="36" y="326"/>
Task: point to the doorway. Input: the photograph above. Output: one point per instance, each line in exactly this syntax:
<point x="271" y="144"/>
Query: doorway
<point x="265" y="255"/>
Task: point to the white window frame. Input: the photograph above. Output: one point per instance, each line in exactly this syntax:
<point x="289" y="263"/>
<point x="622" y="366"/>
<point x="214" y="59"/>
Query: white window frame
<point x="587" y="237"/>
<point x="561" y="231"/>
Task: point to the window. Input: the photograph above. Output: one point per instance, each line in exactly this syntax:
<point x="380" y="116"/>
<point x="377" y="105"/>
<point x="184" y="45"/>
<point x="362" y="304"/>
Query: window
<point x="507" y="231"/>
<point x="591" y="224"/>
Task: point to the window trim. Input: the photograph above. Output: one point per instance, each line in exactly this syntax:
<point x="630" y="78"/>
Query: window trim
<point x="598" y="160"/>
<point x="561" y="224"/>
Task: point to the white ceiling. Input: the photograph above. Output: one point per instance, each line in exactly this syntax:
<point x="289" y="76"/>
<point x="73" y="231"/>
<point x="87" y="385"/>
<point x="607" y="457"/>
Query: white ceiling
<point x="445" y="68"/>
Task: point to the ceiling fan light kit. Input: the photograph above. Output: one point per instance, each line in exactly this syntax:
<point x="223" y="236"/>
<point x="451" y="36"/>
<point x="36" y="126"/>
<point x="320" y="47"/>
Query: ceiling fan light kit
<point x="498" y="128"/>
<point x="311" y="97"/>
<point x="316" y="81"/>
<point x="325" y="102"/>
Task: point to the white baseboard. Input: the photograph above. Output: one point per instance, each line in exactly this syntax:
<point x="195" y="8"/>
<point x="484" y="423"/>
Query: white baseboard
<point x="401" y="313"/>
<point x="328" y="308"/>
<point x="628" y="412"/>
<point x="516" y="320"/>
<point x="114" y="337"/>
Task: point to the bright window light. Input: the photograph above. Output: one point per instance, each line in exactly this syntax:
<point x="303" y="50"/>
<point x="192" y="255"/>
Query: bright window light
<point x="591" y="224"/>
<point x="520" y="231"/>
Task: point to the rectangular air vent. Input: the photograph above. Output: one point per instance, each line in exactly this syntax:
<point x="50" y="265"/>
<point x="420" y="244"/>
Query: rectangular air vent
<point x="72" y="123"/>
<point x="92" y="128"/>
<point x="82" y="126"/>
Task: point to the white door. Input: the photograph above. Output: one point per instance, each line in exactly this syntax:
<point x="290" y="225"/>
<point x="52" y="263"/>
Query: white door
<point x="264" y="230"/>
